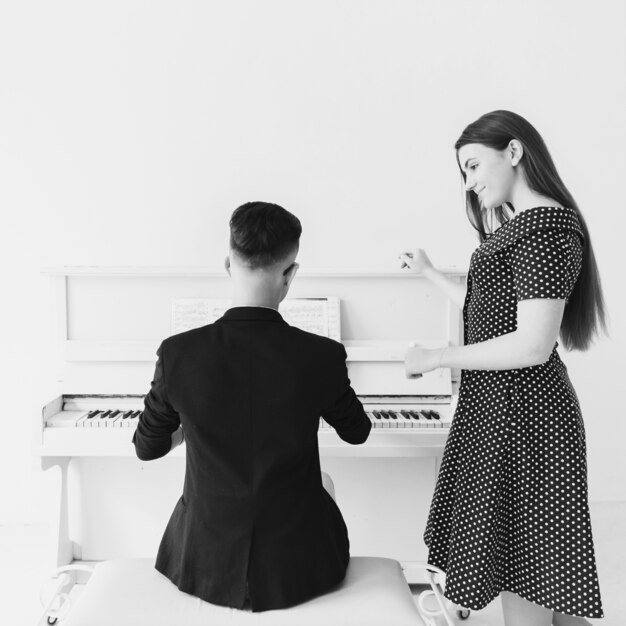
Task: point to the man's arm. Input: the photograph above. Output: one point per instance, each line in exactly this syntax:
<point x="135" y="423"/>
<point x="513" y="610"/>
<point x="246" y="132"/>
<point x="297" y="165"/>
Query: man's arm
<point x="346" y="415"/>
<point x="158" y="430"/>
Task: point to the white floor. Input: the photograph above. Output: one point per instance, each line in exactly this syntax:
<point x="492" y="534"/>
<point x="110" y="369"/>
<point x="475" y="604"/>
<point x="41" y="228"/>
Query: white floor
<point x="22" y="571"/>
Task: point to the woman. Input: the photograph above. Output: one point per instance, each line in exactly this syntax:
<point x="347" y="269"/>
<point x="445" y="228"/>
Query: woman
<point x="510" y="513"/>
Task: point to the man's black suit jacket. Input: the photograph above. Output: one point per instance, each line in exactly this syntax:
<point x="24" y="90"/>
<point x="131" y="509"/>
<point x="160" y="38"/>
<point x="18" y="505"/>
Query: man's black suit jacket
<point x="249" y="391"/>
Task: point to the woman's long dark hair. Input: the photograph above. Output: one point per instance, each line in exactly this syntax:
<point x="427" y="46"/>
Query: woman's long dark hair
<point x="584" y="314"/>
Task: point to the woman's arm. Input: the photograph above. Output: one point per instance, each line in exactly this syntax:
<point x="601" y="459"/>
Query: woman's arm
<point x="419" y="263"/>
<point x="538" y="325"/>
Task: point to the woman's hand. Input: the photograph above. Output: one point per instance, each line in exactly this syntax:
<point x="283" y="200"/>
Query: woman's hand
<point x="418" y="263"/>
<point x="416" y="260"/>
<point x="419" y="360"/>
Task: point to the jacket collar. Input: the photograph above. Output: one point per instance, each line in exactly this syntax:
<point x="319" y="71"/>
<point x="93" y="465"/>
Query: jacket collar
<point x="531" y="220"/>
<point x="252" y="313"/>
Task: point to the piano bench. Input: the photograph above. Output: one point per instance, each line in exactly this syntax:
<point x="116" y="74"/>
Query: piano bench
<point x="130" y="592"/>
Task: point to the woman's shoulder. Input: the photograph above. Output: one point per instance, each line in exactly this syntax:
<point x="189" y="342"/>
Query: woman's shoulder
<point x="535" y="220"/>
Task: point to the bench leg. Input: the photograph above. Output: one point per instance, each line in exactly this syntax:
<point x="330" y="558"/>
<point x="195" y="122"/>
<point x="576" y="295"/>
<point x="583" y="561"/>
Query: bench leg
<point x="58" y="604"/>
<point x="429" y="615"/>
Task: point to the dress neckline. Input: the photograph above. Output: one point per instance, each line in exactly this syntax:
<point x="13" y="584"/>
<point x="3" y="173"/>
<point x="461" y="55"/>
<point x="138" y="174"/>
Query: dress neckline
<point x="528" y="221"/>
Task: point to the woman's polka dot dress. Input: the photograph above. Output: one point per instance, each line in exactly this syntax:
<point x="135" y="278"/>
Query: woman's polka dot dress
<point x="510" y="510"/>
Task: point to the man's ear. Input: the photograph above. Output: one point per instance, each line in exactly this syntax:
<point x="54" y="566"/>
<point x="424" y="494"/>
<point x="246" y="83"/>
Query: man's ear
<point x="227" y="264"/>
<point x="291" y="274"/>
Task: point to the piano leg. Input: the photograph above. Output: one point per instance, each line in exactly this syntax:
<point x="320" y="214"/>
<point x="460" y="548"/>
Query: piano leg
<point x="55" y="479"/>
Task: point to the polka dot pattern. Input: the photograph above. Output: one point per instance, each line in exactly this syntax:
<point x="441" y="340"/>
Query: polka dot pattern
<point x="510" y="510"/>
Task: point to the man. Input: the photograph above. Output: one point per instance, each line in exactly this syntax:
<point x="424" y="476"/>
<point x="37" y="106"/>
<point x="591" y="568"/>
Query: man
<point x="254" y="519"/>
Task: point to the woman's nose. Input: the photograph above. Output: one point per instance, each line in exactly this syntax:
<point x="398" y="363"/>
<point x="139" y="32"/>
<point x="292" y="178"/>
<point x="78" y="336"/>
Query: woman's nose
<point x="469" y="183"/>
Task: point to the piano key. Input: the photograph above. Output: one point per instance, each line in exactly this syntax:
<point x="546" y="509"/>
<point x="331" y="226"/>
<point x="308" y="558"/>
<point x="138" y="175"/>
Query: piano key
<point x="407" y="419"/>
<point x="400" y="420"/>
<point x="132" y="422"/>
<point x="430" y="416"/>
<point x="122" y="422"/>
<point x="387" y="415"/>
<point x="425" y="419"/>
<point x="103" y="420"/>
<point x="92" y="422"/>
<point x="384" y="419"/>
<point x="79" y="422"/>
<point x="421" y="420"/>
<point x="113" y="418"/>
<point x="86" y="420"/>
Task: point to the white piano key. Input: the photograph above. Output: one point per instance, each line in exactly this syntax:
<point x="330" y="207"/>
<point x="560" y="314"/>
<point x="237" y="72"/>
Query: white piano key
<point x="404" y="421"/>
<point x="80" y="421"/>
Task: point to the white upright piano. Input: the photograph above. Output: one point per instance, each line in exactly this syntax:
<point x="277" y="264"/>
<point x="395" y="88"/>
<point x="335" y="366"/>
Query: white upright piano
<point x="108" y="323"/>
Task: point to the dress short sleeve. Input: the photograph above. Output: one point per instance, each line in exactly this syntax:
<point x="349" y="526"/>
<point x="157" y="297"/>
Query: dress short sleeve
<point x="545" y="264"/>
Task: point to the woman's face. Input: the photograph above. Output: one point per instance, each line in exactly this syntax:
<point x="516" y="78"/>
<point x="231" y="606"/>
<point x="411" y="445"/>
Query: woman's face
<point x="489" y="173"/>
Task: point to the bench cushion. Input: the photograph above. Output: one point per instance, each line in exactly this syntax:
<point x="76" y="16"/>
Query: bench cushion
<point x="130" y="592"/>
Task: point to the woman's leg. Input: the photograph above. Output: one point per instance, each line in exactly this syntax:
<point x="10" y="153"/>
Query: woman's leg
<point x="520" y="612"/>
<point x="559" y="619"/>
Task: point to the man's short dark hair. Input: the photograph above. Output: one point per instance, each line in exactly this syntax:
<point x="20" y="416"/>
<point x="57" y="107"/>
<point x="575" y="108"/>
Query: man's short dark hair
<point x="262" y="233"/>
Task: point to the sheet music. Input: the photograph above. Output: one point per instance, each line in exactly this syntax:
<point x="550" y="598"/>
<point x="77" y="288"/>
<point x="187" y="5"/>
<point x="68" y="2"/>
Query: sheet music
<point x="315" y="315"/>
<point x="189" y="313"/>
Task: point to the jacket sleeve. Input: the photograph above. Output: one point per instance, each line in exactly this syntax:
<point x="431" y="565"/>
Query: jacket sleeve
<point x="346" y="414"/>
<point x="157" y="422"/>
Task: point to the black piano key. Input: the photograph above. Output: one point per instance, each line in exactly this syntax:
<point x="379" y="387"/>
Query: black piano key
<point x="393" y="415"/>
<point x="114" y="413"/>
<point x="426" y="414"/>
<point x="92" y="414"/>
<point x="385" y="414"/>
<point x="127" y="414"/>
<point x="436" y="415"/>
<point x="415" y="415"/>
<point x="376" y="414"/>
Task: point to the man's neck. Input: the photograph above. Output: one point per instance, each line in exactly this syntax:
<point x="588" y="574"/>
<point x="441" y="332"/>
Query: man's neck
<point x="251" y="299"/>
<point x="258" y="306"/>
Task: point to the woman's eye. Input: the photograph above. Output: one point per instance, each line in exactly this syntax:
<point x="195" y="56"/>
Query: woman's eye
<point x="473" y="166"/>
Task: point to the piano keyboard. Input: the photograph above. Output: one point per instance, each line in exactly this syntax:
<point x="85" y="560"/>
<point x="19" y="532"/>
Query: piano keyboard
<point x="393" y="417"/>
<point x="101" y="425"/>
<point x="108" y="419"/>
<point x="88" y="412"/>
<point x="380" y="416"/>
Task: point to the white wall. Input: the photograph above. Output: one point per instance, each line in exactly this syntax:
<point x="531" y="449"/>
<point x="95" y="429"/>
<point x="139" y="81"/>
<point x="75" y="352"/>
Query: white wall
<point x="130" y="130"/>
